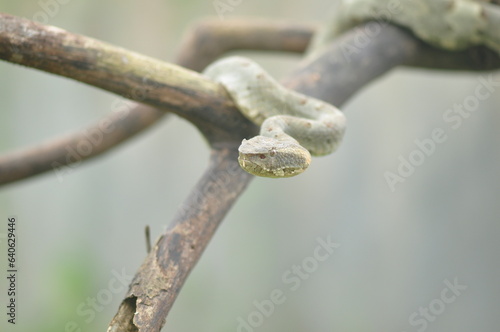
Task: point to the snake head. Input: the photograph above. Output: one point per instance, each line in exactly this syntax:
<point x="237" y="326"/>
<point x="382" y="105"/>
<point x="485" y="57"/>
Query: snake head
<point x="268" y="157"/>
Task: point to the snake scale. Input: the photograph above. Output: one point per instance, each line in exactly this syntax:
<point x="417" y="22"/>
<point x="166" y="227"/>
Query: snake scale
<point x="294" y="126"/>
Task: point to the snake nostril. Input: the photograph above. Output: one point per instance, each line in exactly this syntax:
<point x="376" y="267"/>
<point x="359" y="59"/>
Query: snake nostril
<point x="262" y="156"/>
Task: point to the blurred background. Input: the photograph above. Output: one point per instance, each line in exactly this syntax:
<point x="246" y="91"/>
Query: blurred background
<point x="79" y="238"/>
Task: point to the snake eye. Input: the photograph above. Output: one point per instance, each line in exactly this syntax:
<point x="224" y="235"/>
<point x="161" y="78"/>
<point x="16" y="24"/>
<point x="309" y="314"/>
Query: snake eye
<point x="262" y="156"/>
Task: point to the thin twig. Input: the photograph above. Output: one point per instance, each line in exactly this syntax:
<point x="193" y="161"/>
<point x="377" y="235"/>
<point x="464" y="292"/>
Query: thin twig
<point x="59" y="154"/>
<point x="147" y="233"/>
<point x="210" y="38"/>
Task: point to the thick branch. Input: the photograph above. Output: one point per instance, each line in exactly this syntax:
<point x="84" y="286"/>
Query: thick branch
<point x="134" y="76"/>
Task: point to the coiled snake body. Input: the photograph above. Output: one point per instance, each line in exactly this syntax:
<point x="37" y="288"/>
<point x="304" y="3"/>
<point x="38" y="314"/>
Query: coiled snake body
<point x="294" y="126"/>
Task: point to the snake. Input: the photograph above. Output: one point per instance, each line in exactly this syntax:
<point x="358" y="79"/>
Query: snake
<point x="293" y="126"/>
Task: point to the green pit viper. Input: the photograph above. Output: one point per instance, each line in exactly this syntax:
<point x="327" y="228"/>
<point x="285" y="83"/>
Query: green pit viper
<point x="294" y="126"/>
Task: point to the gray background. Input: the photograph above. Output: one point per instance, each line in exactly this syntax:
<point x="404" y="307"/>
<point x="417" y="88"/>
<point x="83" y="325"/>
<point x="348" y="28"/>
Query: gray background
<point x="396" y="248"/>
